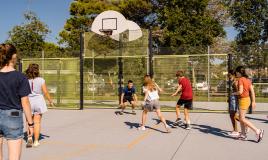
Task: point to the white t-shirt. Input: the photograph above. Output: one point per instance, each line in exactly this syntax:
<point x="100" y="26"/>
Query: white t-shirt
<point x="152" y="95"/>
<point x="36" y="86"/>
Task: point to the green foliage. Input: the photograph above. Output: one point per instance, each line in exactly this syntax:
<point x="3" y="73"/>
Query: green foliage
<point x="137" y="11"/>
<point x="250" y="20"/>
<point x="29" y="37"/>
<point x="188" y="22"/>
<point x="82" y="13"/>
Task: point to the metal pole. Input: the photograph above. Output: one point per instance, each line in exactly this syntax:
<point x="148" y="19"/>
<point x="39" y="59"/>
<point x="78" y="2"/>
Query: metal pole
<point x="93" y="76"/>
<point x="20" y="65"/>
<point x="120" y="69"/>
<point x="230" y="64"/>
<point x="81" y="70"/>
<point x="208" y="81"/>
<point x="151" y="70"/>
<point x="43" y="58"/>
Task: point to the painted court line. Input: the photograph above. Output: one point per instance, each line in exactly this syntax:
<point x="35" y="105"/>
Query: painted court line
<point x="184" y="139"/>
<point x="141" y="138"/>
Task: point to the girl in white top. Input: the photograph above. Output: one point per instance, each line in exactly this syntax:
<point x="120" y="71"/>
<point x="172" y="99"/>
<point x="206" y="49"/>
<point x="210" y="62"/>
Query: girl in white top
<point x="37" y="100"/>
<point x="151" y="102"/>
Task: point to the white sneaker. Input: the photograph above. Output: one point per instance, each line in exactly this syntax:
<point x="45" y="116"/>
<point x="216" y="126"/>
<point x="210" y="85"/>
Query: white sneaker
<point x="36" y="144"/>
<point x="141" y="128"/>
<point x="29" y="143"/>
<point x="168" y="129"/>
<point x="234" y="134"/>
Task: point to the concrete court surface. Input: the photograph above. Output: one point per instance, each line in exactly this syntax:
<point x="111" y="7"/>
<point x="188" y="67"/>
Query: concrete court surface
<point x="103" y="135"/>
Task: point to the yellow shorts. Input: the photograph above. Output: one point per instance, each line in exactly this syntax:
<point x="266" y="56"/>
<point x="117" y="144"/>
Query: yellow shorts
<point x="244" y="103"/>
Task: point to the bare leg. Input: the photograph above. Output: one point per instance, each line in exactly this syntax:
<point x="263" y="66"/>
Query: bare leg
<point x="244" y="122"/>
<point x="178" y="111"/>
<point x="133" y="105"/>
<point x="123" y="106"/>
<point x="14" y="149"/>
<point x="233" y="120"/>
<point x="186" y="115"/>
<point x="37" y="126"/>
<point x="144" y="116"/>
<point x="161" y="117"/>
<point x="1" y="148"/>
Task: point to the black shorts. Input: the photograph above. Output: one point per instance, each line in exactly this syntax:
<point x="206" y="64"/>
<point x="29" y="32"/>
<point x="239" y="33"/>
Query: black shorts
<point x="128" y="99"/>
<point x="186" y="103"/>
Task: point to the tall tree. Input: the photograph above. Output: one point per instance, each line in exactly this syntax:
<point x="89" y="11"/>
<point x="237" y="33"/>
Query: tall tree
<point x="250" y="20"/>
<point x="187" y="22"/>
<point x="29" y="37"/>
<point x="82" y="14"/>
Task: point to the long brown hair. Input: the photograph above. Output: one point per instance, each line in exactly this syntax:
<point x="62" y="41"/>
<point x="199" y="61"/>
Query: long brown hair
<point x="32" y="71"/>
<point x="149" y="83"/>
<point x="6" y="53"/>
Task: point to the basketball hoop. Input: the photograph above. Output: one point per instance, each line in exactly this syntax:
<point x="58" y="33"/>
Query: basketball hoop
<point x="107" y="32"/>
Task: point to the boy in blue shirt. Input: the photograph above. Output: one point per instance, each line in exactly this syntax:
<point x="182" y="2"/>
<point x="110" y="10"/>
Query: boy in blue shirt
<point x="128" y="95"/>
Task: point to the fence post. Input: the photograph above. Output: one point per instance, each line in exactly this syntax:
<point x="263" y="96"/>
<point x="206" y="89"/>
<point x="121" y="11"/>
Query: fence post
<point x="208" y="81"/>
<point x="20" y="65"/>
<point x="230" y="66"/>
<point x="81" y="70"/>
<point x="120" y="70"/>
<point x="151" y="70"/>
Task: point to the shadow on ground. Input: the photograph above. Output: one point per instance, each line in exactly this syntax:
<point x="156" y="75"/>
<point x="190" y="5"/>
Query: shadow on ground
<point x="42" y="137"/>
<point x="137" y="125"/>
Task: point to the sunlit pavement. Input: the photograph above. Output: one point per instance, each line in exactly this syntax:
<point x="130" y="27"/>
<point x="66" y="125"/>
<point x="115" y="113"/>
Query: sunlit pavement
<point x="102" y="135"/>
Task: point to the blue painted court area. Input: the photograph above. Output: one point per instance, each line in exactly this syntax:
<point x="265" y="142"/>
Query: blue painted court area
<point x="102" y="135"/>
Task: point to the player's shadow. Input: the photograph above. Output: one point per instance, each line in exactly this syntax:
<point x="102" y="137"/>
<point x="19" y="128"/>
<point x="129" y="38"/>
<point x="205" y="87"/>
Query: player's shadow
<point x="125" y="112"/>
<point x="137" y="125"/>
<point x="258" y="119"/>
<point x="211" y="130"/>
<point x="42" y="137"/>
<point x="170" y="123"/>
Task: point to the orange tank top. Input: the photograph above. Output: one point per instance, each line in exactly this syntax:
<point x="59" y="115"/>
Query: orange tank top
<point x="246" y="86"/>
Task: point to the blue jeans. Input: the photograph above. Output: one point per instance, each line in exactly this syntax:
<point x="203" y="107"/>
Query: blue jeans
<point x="233" y="106"/>
<point x="11" y="124"/>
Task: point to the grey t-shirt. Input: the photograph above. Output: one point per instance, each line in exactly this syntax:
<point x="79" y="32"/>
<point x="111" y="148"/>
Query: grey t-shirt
<point x="36" y="86"/>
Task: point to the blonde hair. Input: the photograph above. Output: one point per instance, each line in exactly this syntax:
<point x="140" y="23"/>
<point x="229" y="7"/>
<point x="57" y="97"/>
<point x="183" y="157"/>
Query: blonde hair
<point x="149" y="83"/>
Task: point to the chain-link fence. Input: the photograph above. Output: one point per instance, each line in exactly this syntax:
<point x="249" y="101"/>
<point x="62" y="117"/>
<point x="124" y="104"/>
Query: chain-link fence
<point x="62" y="79"/>
<point x="109" y="64"/>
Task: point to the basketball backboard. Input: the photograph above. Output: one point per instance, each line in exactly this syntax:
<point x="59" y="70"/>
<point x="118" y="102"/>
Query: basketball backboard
<point x="134" y="32"/>
<point x="109" y="23"/>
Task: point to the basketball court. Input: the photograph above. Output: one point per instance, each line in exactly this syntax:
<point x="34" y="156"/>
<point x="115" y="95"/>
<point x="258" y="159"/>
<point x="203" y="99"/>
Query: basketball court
<point x="103" y="135"/>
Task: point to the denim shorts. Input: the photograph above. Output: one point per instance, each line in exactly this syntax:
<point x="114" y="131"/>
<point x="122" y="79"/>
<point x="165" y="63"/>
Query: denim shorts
<point x="233" y="105"/>
<point x="11" y="124"/>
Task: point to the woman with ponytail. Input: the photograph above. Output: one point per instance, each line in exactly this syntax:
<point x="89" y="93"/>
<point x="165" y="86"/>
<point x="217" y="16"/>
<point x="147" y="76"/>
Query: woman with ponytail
<point x="245" y="91"/>
<point x="14" y="91"/>
<point x="37" y="101"/>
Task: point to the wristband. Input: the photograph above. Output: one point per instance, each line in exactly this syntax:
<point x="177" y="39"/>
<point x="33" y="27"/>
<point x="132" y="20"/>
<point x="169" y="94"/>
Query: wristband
<point x="30" y="125"/>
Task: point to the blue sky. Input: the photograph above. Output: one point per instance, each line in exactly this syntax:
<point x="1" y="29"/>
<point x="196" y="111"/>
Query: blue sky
<point x="53" y="12"/>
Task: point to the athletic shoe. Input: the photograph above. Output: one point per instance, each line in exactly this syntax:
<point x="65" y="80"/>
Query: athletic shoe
<point x="29" y="143"/>
<point x="121" y="112"/>
<point x="36" y="144"/>
<point x="141" y="128"/>
<point x="179" y="122"/>
<point x="242" y="137"/>
<point x="260" y="135"/>
<point x="188" y="126"/>
<point x="233" y="134"/>
<point x="168" y="129"/>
